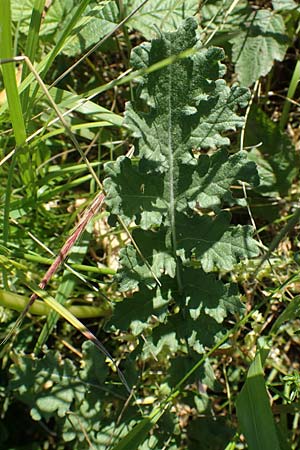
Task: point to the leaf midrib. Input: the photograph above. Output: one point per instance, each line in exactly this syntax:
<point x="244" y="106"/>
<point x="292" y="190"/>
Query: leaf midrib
<point x="171" y="178"/>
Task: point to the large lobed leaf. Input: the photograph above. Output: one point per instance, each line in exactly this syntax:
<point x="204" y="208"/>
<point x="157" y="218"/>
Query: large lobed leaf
<point x="174" y="190"/>
<point x="55" y="387"/>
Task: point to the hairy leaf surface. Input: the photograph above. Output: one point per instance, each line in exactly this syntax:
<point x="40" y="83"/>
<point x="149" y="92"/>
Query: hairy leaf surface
<point x="54" y="387"/>
<point x="174" y="191"/>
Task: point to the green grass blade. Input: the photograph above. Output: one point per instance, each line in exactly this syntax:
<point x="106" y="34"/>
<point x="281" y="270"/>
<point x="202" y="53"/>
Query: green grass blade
<point x="290" y="95"/>
<point x="32" y="43"/>
<point x="9" y="77"/>
<point x="9" y="74"/>
<point x="36" y="258"/>
<point x="290" y="313"/>
<point x="46" y="63"/>
<point x="253" y="408"/>
<point x="292" y="222"/>
<point x="76" y="323"/>
<point x="67" y="31"/>
<point x="139" y="433"/>
<point x="13" y="99"/>
<point x="6" y="213"/>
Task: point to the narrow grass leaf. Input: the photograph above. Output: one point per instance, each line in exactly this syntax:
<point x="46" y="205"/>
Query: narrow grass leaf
<point x="45" y="65"/>
<point x="15" y="109"/>
<point x="32" y="43"/>
<point x="69" y="317"/>
<point x="290" y="95"/>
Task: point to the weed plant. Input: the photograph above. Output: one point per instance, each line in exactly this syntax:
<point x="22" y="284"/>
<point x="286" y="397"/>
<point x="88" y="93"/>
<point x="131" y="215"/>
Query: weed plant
<point x="149" y="208"/>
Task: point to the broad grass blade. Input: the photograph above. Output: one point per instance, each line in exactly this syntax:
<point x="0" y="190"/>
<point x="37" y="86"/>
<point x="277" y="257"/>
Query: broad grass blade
<point x="139" y="433"/>
<point x="9" y="74"/>
<point x="253" y="408"/>
<point x="290" y="313"/>
<point x="16" y="115"/>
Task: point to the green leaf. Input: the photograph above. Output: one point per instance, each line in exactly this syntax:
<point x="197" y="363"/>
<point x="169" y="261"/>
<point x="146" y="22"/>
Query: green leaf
<point x="204" y="292"/>
<point x="98" y="20"/>
<point x="209" y="433"/>
<point x="135" y="312"/>
<point x="135" y="200"/>
<point x="253" y="408"/>
<point x="45" y="385"/>
<point x="262" y="40"/>
<point x="215" y="243"/>
<point x="165" y="16"/>
<point x="94" y="369"/>
<point x="274" y="154"/>
<point x="56" y="17"/>
<point x="215" y="12"/>
<point x="21" y="13"/>
<point x="173" y="190"/>
<point x="200" y="114"/>
<point x="145" y="199"/>
<point x="222" y="20"/>
<point x="53" y="387"/>
<point x="157" y="261"/>
<point x="284" y="5"/>
<point x="183" y="333"/>
<point x="206" y="302"/>
<point x="209" y="185"/>
<point x="57" y="13"/>
<point x="291" y="312"/>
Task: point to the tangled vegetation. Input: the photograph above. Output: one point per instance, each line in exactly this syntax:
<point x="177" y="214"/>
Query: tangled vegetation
<point x="149" y="190"/>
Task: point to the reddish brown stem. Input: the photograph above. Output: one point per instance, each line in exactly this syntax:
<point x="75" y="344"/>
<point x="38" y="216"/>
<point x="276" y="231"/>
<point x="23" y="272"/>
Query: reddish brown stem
<point x="88" y="214"/>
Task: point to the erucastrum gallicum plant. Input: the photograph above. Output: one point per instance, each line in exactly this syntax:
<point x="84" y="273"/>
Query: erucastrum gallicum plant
<point x="175" y="193"/>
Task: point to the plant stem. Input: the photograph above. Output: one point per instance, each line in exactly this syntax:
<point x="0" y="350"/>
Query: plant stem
<point x="40" y="308"/>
